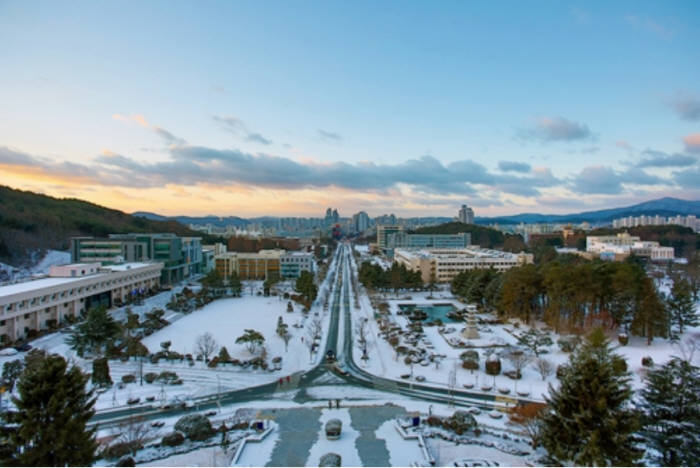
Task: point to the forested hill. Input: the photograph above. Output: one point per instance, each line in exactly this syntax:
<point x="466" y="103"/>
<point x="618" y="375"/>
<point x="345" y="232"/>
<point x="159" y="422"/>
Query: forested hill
<point x="481" y="236"/>
<point x="30" y="222"/>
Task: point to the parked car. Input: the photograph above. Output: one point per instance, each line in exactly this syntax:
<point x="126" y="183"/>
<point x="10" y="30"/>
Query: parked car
<point x="23" y="347"/>
<point x="8" y="352"/>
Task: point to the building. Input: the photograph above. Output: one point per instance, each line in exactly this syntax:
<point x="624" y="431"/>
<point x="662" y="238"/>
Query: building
<point x="466" y="215"/>
<point x="443" y="265"/>
<point x="226" y="263"/>
<point x="293" y="263"/>
<point x="690" y="221"/>
<point x="383" y="233"/>
<point x="623" y="245"/>
<point x="181" y="256"/>
<point x="70" y="290"/>
<point x="439" y="241"/>
<point x="360" y="222"/>
<point x="207" y="260"/>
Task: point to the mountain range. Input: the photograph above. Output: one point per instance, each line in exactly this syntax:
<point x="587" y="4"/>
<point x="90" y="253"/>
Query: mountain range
<point x="663" y="206"/>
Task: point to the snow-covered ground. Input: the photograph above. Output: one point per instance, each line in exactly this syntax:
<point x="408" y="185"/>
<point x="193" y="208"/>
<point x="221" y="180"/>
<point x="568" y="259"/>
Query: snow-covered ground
<point x="344" y="446"/>
<point x="9" y="273"/>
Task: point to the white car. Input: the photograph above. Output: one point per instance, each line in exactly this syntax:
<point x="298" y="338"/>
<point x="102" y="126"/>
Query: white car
<point x="8" y="352"/>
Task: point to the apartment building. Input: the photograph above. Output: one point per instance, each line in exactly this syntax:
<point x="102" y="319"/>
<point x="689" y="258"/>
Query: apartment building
<point x="434" y="241"/>
<point x="444" y="264"/>
<point x="68" y="291"/>
<point x="275" y="263"/>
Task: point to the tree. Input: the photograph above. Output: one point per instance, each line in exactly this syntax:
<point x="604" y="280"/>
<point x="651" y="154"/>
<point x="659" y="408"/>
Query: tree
<point x="544" y="367"/>
<point x="95" y="334"/>
<point x="234" y="282"/>
<point x="213" y="280"/>
<point x="290" y="307"/>
<point x="134" y="433"/>
<point x="252" y="339"/>
<point x="535" y="340"/>
<point x="11" y="371"/>
<point x="132" y="322"/>
<point x="528" y="417"/>
<point x="670" y="413"/>
<point x="650" y="318"/>
<point x="306" y="287"/>
<point x="283" y="332"/>
<point x="100" y="372"/>
<point x="224" y="356"/>
<point x="206" y="345"/>
<point x="518" y="359"/>
<point x="53" y="409"/>
<point x="681" y="308"/>
<point x="589" y="421"/>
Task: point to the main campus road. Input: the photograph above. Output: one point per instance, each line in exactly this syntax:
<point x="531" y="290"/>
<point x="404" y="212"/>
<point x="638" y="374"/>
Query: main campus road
<point x="355" y="376"/>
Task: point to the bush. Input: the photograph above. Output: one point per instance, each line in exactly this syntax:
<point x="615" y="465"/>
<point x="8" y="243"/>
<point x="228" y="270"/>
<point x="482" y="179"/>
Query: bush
<point x="560" y="371"/>
<point x="434" y="421"/>
<point x="568" y="344"/>
<point x="150" y="377"/>
<point x="470" y="365"/>
<point x="623" y="339"/>
<point x="173" y="439"/>
<point x="470" y="355"/>
<point x="647" y="361"/>
<point x="460" y="422"/>
<point x="195" y="427"/>
<point x="118" y="450"/>
<point x="128" y="378"/>
<point x="167" y="376"/>
<point x="214" y="362"/>
<point x="493" y="365"/>
<point x="126" y="461"/>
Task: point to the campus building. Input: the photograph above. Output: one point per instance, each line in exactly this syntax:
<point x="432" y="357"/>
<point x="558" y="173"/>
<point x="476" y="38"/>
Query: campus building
<point x="181" y="256"/>
<point x="622" y="245"/>
<point x="443" y="265"/>
<point x="70" y="290"/>
<point x="423" y="241"/>
<point x="465" y="215"/>
<point x="271" y="263"/>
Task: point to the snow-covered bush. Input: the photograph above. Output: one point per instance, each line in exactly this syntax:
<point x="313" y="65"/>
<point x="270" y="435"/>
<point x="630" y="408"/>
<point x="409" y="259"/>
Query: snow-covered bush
<point x="128" y="378"/>
<point x="172" y="439"/>
<point x="623" y="339"/>
<point x="647" y="361"/>
<point x="195" y="427"/>
<point x="493" y="365"/>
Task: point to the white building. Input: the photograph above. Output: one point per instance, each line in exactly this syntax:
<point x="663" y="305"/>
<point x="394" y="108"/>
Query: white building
<point x="68" y="291"/>
<point x="360" y="222"/>
<point x="445" y="264"/>
<point x="622" y="245"/>
<point x="690" y="221"/>
<point x="466" y="215"/>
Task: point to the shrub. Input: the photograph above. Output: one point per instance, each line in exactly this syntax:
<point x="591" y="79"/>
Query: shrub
<point x="214" y="362"/>
<point x="560" y="371"/>
<point x="623" y="339"/>
<point x="647" y="361"/>
<point x="118" y="450"/>
<point x="128" y="378"/>
<point x="470" y="365"/>
<point x="619" y="364"/>
<point x="173" y="439"/>
<point x="493" y="365"/>
<point x="126" y="461"/>
<point x="150" y="377"/>
<point x="460" y="422"/>
<point x="167" y="376"/>
<point x="470" y="355"/>
<point x="434" y="421"/>
<point x="195" y="427"/>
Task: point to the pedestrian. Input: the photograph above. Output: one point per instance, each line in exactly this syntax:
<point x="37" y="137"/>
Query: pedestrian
<point x="330" y="404"/>
<point x="281" y="381"/>
<point x="289" y="379"/>
<point x="337" y="403"/>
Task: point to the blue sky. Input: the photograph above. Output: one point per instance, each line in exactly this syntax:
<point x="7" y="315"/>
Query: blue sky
<point x="249" y="108"/>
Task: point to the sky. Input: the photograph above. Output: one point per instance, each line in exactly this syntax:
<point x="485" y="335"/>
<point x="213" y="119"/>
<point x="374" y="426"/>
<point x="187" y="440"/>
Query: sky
<point x="251" y="108"/>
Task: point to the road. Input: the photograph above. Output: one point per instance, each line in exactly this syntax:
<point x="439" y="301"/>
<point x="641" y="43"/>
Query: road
<point x="340" y="309"/>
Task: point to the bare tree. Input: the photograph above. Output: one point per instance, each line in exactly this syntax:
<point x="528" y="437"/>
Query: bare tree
<point x="361" y="335"/>
<point x="135" y="432"/>
<point x="315" y="327"/>
<point x="518" y="359"/>
<point x="286" y="337"/>
<point x="310" y="339"/>
<point x="544" y="367"/>
<point x="206" y="345"/>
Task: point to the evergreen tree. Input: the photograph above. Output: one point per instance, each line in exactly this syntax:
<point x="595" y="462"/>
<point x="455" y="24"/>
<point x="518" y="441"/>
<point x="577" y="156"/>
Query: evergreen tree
<point x="650" y="317"/>
<point x="306" y="287"/>
<point x="681" y="308"/>
<point x="53" y="409"/>
<point x="100" y="372"/>
<point x="589" y="421"/>
<point x="670" y="413"/>
<point x="11" y="371"/>
<point x="235" y="284"/>
<point x="95" y="334"/>
<point x="224" y="356"/>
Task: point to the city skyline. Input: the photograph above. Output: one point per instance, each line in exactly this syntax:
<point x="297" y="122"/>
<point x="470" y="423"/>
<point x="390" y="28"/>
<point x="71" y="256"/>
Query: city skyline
<point x="248" y="110"/>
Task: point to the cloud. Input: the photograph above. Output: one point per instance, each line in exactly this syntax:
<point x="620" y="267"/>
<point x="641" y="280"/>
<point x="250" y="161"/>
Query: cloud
<point x="692" y="143"/>
<point x="329" y="136"/>
<point x="662" y="31"/>
<point x="258" y="138"/>
<point x="688" y="178"/>
<point x="139" y="119"/>
<point x="236" y="126"/>
<point x="653" y="158"/>
<point x="624" y="145"/>
<point x="513" y="166"/>
<point x="557" y="129"/>
<point x="605" y="180"/>
<point x="686" y="106"/>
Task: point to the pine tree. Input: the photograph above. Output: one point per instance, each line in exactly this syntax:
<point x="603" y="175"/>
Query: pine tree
<point x="96" y="333"/>
<point x="53" y="409"/>
<point x="235" y="284"/>
<point x="224" y="356"/>
<point x="589" y="421"/>
<point x="670" y="413"/>
<point x="100" y="372"/>
<point x="681" y="308"/>
<point x="650" y="318"/>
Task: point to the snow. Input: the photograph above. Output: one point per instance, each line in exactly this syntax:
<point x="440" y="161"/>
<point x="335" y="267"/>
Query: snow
<point x="258" y="453"/>
<point x="52" y="258"/>
<point x="345" y="446"/>
<point x="402" y="452"/>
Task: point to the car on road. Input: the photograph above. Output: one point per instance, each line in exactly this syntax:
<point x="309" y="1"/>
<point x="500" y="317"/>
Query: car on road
<point x="23" y="347"/>
<point x="8" y="352"/>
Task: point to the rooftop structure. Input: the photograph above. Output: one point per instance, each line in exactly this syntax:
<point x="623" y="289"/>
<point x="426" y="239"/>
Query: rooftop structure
<point x="623" y="245"/>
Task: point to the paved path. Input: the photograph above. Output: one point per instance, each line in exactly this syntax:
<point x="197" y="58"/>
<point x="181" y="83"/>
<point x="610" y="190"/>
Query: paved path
<point x="298" y="431"/>
<point x="366" y="420"/>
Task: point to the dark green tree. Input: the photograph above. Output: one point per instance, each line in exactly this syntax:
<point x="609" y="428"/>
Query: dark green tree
<point x="588" y="420"/>
<point x="306" y="287"/>
<point x="650" y="318"/>
<point x="95" y="333"/>
<point x="100" y="372"/>
<point x="11" y="371"/>
<point x="234" y="282"/>
<point x="224" y="356"/>
<point x="53" y="409"/>
<point x="681" y="308"/>
<point x="251" y="339"/>
<point x="213" y="280"/>
<point x="670" y="413"/>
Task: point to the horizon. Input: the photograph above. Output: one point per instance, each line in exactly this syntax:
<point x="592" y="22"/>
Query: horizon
<point x="248" y="110"/>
